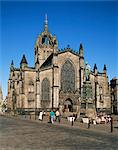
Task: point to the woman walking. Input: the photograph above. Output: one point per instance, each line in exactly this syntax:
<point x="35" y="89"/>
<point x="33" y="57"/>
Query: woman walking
<point x="52" y="115"/>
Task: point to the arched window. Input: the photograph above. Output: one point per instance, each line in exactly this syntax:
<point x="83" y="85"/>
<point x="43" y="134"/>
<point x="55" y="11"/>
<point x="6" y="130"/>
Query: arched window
<point x="31" y="87"/>
<point x="68" y="77"/>
<point x="45" y="87"/>
<point x="31" y="91"/>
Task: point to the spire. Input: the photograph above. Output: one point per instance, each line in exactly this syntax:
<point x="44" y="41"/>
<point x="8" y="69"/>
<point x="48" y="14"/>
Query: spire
<point x="105" y="68"/>
<point x="46" y="23"/>
<point x="23" y="61"/>
<point x="12" y="66"/>
<point x="81" y="51"/>
<point x="81" y="46"/>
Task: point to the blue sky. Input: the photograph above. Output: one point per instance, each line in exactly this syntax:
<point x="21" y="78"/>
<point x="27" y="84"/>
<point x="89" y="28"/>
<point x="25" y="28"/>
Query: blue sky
<point x="95" y="24"/>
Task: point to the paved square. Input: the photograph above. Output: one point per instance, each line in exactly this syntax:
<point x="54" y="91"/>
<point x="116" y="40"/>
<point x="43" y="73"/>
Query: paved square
<point x="21" y="134"/>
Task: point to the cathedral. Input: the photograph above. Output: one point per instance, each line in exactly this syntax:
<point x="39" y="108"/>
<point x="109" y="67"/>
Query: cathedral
<point x="59" y="79"/>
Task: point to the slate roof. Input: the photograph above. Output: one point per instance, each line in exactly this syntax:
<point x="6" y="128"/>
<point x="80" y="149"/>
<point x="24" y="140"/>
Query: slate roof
<point x="48" y="62"/>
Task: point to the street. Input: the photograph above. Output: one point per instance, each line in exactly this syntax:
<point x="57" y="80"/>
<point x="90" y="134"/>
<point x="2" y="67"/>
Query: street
<point x="23" y="134"/>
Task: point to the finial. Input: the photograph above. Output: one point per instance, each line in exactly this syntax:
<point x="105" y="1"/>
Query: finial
<point x="46" y="23"/>
<point x="12" y="66"/>
<point x="12" y="63"/>
<point x="81" y="46"/>
<point x="105" y="68"/>
<point x="81" y="51"/>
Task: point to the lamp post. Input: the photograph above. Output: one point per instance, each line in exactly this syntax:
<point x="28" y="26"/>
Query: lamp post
<point x="14" y="102"/>
<point x="95" y="93"/>
<point x="111" y="124"/>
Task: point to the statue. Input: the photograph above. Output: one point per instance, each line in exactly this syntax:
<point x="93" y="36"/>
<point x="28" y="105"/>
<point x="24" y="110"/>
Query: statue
<point x="87" y="71"/>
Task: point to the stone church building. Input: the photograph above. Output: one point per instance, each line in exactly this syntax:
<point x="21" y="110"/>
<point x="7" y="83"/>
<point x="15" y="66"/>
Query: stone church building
<point x="58" y="79"/>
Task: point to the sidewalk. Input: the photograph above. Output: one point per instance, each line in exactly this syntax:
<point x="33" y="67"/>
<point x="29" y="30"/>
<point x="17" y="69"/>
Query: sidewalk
<point x="105" y="128"/>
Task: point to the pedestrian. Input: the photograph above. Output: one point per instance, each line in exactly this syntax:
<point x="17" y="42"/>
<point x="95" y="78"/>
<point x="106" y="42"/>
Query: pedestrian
<point x="57" y="113"/>
<point x="89" y="122"/>
<point x="41" y="116"/>
<point x="75" y="116"/>
<point x="52" y="115"/>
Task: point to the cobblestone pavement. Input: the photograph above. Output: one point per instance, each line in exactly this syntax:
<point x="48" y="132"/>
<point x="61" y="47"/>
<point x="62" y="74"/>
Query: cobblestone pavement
<point x="21" y="134"/>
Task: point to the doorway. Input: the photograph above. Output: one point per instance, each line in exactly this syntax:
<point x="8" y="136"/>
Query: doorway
<point x="68" y="105"/>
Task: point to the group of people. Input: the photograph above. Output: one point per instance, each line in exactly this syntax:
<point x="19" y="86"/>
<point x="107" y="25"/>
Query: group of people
<point x="103" y="119"/>
<point x="53" y="116"/>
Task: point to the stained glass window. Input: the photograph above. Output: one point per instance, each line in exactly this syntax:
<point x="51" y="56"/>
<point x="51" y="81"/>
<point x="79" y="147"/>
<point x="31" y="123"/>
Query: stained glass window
<point x="45" y="89"/>
<point x="31" y="91"/>
<point x="68" y="77"/>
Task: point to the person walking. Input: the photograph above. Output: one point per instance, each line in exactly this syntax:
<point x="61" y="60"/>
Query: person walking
<point x="57" y="113"/>
<point x="41" y="116"/>
<point x="52" y="115"/>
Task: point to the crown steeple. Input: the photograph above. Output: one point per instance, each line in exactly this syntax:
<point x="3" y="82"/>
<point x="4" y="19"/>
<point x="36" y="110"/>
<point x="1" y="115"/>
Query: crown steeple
<point x="46" y="23"/>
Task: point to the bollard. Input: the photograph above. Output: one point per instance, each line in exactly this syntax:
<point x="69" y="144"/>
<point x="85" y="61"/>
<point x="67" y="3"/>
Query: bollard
<point x="72" y="121"/>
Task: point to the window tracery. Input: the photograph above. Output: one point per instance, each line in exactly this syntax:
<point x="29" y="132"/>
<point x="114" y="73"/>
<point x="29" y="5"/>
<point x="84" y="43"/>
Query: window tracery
<point x="31" y="91"/>
<point x="68" y="77"/>
<point x="45" y="89"/>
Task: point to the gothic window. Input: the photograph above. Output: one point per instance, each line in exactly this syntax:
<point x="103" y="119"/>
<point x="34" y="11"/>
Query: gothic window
<point x="68" y="77"/>
<point x="90" y="105"/>
<point x="45" y="89"/>
<point x="83" y="105"/>
<point x="30" y="97"/>
<point x="31" y="91"/>
<point x="87" y="91"/>
<point x="31" y="87"/>
<point x="101" y="92"/>
<point x="21" y="87"/>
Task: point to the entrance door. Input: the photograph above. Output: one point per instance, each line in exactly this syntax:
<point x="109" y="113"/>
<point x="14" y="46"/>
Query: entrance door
<point x="68" y="105"/>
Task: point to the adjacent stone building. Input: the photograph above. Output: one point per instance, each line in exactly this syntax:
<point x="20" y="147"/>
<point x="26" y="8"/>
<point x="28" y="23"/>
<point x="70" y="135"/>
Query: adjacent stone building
<point x="1" y="99"/>
<point x="58" y="79"/>
<point x="114" y="95"/>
